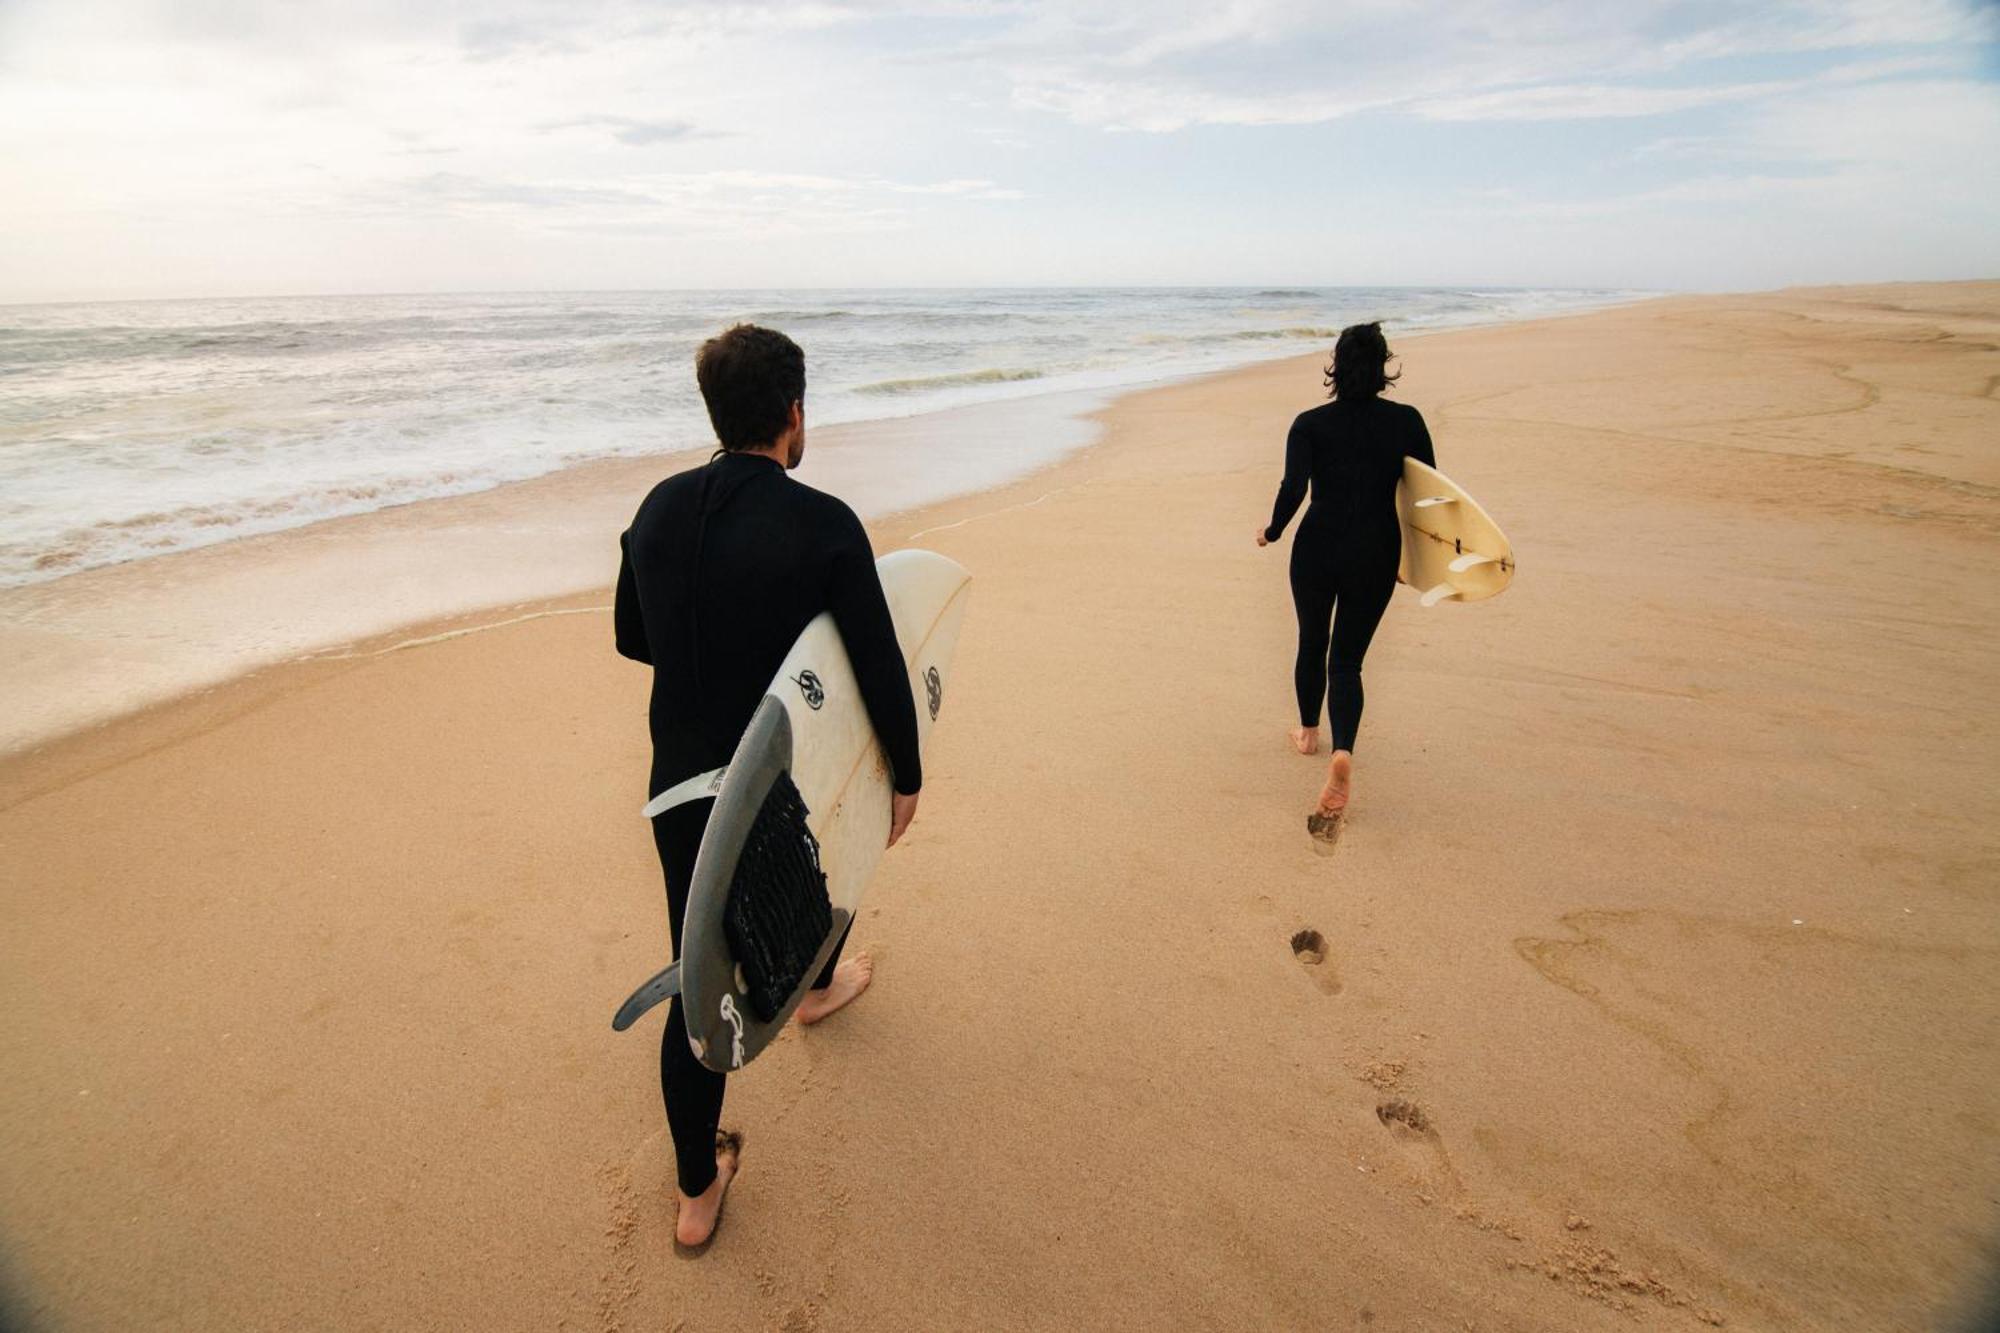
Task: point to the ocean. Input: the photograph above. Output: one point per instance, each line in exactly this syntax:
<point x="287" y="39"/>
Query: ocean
<point x="129" y="430"/>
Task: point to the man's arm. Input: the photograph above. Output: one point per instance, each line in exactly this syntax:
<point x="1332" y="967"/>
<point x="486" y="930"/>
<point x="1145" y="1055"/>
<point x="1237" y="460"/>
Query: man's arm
<point x="862" y="613"/>
<point x="627" y="621"/>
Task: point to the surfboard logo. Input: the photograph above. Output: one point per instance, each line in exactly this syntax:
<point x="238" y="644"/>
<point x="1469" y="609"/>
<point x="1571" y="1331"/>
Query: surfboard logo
<point x="934" y="688"/>
<point x="808" y="683"/>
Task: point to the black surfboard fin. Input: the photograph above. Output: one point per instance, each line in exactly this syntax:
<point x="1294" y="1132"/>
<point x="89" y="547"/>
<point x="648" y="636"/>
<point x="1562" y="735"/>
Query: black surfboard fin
<point x="663" y="985"/>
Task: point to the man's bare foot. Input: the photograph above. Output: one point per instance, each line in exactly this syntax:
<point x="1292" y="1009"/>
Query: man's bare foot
<point x="699" y="1215"/>
<point x="1305" y="740"/>
<point x="849" y="980"/>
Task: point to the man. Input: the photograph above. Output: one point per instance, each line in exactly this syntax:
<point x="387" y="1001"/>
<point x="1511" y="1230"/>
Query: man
<point x="723" y="567"/>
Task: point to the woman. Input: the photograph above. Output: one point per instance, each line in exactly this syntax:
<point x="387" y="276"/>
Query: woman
<point x="1344" y="559"/>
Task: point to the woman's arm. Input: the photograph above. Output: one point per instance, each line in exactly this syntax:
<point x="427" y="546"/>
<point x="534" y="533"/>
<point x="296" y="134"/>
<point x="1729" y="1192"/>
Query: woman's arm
<point x="1298" y="476"/>
<point x="1420" y="447"/>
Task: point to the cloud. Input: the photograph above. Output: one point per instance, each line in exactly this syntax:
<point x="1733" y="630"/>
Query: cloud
<point x="723" y="202"/>
<point x="962" y="189"/>
<point x="1943" y="131"/>
<point x="487" y="39"/>
<point x="1587" y="101"/>
<point x="1835" y="25"/>
<point x="1599" y="101"/>
<point x="1113" y="64"/>
<point x="270" y="143"/>
<point x="1851" y="152"/>
<point x="634" y="132"/>
<point x="449" y="187"/>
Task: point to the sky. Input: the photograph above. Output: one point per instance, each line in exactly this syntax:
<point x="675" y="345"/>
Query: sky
<point x="154" y="148"/>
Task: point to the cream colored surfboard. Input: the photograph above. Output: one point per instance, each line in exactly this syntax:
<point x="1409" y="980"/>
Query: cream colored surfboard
<point x="1453" y="551"/>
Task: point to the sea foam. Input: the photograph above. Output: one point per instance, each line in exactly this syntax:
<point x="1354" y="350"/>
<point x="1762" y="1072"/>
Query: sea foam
<point x="131" y="430"/>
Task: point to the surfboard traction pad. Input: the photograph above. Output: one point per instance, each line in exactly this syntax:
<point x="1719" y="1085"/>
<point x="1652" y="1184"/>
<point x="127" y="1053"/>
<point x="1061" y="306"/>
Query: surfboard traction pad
<point x="777" y="914"/>
<point x="731" y="1014"/>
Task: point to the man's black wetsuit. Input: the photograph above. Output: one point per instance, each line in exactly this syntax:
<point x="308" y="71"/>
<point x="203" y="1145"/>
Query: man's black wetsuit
<point x="722" y="568"/>
<point x="1344" y="558"/>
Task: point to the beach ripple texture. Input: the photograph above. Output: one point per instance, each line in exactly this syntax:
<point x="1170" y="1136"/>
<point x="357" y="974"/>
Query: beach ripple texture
<point x="134" y="429"/>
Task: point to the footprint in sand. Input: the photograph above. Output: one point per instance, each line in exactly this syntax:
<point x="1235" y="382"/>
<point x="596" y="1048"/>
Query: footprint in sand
<point x="1407" y="1114"/>
<point x="1423" y="1149"/>
<point x="1325" y="830"/>
<point x="1309" y="947"/>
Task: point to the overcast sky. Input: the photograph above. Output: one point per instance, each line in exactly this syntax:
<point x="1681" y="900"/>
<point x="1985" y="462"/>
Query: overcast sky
<point x="206" y="147"/>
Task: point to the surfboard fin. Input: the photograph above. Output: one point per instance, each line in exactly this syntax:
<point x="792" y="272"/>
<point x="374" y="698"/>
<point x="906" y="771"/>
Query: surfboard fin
<point x="663" y="985"/>
<point x="1469" y="560"/>
<point x="1431" y="500"/>
<point x="1438" y="594"/>
<point x="697" y="788"/>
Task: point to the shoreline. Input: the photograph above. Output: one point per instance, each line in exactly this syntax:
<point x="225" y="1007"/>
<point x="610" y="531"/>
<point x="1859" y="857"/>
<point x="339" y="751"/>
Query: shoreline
<point x="470" y="542"/>
<point x="1666" y="902"/>
<point x="80" y="677"/>
<point x="472" y="428"/>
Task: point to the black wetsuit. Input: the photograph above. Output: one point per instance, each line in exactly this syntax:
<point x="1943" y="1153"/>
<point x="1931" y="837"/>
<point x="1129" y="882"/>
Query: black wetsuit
<point x="722" y="568"/>
<point x="1345" y="555"/>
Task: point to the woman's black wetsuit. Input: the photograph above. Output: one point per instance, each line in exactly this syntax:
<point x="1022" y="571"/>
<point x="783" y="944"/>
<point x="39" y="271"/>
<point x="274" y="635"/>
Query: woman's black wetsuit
<point x="722" y="568"/>
<point x="1344" y="558"/>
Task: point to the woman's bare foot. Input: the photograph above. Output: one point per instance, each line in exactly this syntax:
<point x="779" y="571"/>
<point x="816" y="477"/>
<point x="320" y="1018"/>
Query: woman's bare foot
<point x="1325" y="821"/>
<point x="1305" y="740"/>
<point x="1339" y="783"/>
<point x="699" y="1215"/>
<point x="849" y="980"/>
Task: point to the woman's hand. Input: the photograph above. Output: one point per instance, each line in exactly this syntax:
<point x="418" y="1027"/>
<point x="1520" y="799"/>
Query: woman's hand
<point x="1262" y="540"/>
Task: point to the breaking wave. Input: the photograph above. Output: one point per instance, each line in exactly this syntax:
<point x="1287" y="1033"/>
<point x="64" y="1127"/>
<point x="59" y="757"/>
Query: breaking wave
<point x="131" y="429"/>
<point x="953" y="380"/>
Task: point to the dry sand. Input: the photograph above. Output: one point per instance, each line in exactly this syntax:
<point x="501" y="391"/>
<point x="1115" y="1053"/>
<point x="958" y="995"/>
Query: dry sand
<point x="1658" y="958"/>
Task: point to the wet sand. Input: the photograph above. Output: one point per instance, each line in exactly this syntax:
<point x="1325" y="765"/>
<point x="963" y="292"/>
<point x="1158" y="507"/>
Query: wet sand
<point x="109" y="641"/>
<point x="1655" y="966"/>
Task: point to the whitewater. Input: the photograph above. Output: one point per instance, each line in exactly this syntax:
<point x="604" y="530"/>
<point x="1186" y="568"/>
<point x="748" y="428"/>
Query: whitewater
<point x="129" y="430"/>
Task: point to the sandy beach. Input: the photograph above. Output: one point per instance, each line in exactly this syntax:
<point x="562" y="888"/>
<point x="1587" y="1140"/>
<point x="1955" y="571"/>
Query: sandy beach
<point x="1655" y="981"/>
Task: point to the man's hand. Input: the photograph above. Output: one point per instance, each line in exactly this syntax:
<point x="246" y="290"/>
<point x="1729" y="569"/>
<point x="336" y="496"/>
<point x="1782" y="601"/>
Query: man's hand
<point x="1262" y="540"/>
<point x="902" y="809"/>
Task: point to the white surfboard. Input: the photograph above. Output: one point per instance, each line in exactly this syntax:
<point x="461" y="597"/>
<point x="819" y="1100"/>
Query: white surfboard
<point x="813" y="728"/>
<point x="1453" y="551"/>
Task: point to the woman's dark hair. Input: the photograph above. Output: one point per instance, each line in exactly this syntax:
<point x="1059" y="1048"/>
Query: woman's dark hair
<point x="1359" y="368"/>
<point x="750" y="377"/>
